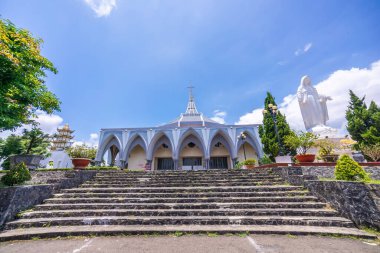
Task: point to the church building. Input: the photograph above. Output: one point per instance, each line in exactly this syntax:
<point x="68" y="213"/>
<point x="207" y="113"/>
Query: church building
<point x="190" y="142"/>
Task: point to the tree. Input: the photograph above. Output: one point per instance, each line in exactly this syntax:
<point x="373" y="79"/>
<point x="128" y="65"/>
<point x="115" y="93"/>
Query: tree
<point x="363" y="124"/>
<point x="268" y="134"/>
<point x="22" y="72"/>
<point x="32" y="141"/>
<point x="12" y="145"/>
<point x="35" y="142"/>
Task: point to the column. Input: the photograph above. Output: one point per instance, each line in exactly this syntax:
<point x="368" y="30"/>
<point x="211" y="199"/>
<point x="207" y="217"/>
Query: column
<point x="175" y="161"/>
<point x="207" y="163"/>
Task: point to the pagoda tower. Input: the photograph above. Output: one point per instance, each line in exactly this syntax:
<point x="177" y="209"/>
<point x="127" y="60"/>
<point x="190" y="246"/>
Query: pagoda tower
<point x="63" y="138"/>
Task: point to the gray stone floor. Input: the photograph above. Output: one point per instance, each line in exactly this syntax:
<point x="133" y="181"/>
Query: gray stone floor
<point x="193" y="244"/>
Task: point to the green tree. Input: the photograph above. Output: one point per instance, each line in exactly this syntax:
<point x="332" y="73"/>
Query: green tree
<point x="35" y="142"/>
<point x="268" y="134"/>
<point x="22" y="73"/>
<point x="12" y="145"/>
<point x="32" y="141"/>
<point x="363" y="123"/>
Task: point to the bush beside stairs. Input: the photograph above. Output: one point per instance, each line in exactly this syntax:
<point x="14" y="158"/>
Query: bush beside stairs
<point x="169" y="202"/>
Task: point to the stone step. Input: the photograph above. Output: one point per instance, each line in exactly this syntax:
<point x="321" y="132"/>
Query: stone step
<point x="212" y="205"/>
<point x="126" y="177"/>
<point x="181" y="195"/>
<point x="180" y="180"/>
<point x="181" y="220"/>
<point x="180" y="200"/>
<point x="66" y="231"/>
<point x="189" y="172"/>
<point x="192" y="184"/>
<point x="185" y="189"/>
<point x="182" y="212"/>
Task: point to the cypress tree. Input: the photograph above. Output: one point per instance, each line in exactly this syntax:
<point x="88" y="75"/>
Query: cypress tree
<point x="267" y="131"/>
<point x="363" y="124"/>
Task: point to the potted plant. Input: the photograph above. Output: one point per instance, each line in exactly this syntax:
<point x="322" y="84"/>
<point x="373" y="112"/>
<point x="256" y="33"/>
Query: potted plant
<point x="249" y="164"/>
<point x="81" y="156"/>
<point x="32" y="147"/>
<point x="326" y="150"/>
<point x="301" y="142"/>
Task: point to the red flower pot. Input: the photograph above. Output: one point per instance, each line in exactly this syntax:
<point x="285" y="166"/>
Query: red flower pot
<point x="307" y="158"/>
<point x="80" y="163"/>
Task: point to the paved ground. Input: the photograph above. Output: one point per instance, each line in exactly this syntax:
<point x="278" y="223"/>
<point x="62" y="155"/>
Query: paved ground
<point x="193" y="244"/>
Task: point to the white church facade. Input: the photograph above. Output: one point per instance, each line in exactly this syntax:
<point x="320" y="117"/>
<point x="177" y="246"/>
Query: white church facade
<point x="190" y="142"/>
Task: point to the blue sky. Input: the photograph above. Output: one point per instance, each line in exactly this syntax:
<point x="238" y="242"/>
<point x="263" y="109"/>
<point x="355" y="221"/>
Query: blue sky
<point x="129" y="65"/>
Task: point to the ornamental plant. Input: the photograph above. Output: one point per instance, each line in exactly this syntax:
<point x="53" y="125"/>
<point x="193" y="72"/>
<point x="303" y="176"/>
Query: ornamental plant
<point x="17" y="175"/>
<point x="249" y="162"/>
<point x="326" y="147"/>
<point x="301" y="142"/>
<point x="265" y="160"/>
<point x="347" y="169"/>
<point x="82" y="151"/>
<point x="371" y="151"/>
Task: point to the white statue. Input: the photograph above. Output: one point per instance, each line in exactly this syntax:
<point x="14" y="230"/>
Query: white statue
<point x="313" y="106"/>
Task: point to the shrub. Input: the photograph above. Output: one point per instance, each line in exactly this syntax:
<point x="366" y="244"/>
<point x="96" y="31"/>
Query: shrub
<point x="347" y="169"/>
<point x="82" y="151"/>
<point x="371" y="151"/>
<point x="18" y="175"/>
<point x="302" y="142"/>
<point x="326" y="147"/>
<point x="265" y="160"/>
<point x="249" y="162"/>
<point x="239" y="165"/>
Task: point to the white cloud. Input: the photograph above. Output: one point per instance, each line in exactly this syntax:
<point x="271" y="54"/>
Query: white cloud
<point x="365" y="81"/>
<point x="303" y="50"/>
<point x="254" y="117"/>
<point x="307" y="47"/>
<point x="47" y="122"/>
<point x="92" y="141"/>
<point x="219" y="116"/>
<point x="101" y="7"/>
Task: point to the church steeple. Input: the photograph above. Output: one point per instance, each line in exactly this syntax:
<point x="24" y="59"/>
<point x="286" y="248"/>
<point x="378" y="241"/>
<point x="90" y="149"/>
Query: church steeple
<point x="191" y="108"/>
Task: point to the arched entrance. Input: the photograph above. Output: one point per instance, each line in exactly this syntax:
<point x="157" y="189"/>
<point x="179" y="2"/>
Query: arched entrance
<point x="191" y="153"/>
<point x="246" y="149"/>
<point x="220" y="153"/>
<point x="136" y="154"/>
<point x="162" y="154"/>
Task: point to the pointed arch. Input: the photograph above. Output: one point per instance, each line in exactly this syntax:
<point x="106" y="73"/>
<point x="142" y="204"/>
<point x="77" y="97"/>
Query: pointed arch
<point x="106" y="144"/>
<point x="157" y="140"/>
<point x="190" y="135"/>
<point x="135" y="140"/>
<point x="252" y="141"/>
<point x="222" y="137"/>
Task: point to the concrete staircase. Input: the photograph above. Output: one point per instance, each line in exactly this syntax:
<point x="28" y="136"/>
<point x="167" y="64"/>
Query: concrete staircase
<point x="214" y="201"/>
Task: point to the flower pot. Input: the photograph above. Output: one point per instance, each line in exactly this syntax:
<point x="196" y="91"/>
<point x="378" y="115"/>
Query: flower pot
<point x="248" y="167"/>
<point x="307" y="158"/>
<point x="330" y="158"/>
<point x="283" y="159"/>
<point x="80" y="163"/>
<point x="31" y="161"/>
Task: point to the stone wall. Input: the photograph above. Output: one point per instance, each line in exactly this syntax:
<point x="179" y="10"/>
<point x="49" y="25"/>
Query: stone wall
<point x="46" y="183"/>
<point x="356" y="201"/>
<point x="328" y="171"/>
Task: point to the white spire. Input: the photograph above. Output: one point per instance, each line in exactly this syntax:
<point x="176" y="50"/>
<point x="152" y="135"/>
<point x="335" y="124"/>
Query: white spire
<point x="191" y="108"/>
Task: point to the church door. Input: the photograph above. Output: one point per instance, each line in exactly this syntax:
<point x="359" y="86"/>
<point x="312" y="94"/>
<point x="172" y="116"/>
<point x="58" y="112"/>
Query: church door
<point x="220" y="162"/>
<point x="165" y="164"/>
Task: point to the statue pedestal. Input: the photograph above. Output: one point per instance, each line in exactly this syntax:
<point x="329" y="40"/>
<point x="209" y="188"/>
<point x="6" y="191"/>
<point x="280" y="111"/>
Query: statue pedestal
<point x="325" y="131"/>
